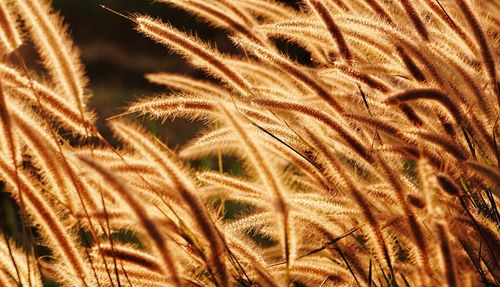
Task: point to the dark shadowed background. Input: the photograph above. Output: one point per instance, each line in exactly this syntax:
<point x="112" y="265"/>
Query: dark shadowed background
<point x="116" y="56"/>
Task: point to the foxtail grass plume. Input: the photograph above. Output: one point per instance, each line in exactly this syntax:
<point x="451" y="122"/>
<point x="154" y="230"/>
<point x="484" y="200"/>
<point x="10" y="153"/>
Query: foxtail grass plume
<point x="374" y="162"/>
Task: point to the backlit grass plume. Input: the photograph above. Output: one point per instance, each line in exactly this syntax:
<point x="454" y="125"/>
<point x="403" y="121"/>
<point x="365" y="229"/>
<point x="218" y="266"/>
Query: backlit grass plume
<point x="376" y="163"/>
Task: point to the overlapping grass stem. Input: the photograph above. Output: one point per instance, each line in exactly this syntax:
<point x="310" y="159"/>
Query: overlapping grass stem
<point x="373" y="164"/>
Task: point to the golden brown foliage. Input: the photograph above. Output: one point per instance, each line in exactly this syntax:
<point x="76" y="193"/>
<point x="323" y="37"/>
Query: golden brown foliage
<point x="377" y="164"/>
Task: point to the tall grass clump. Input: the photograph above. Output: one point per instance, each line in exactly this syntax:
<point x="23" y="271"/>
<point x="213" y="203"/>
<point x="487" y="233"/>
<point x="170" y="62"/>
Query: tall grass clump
<point x="376" y="163"/>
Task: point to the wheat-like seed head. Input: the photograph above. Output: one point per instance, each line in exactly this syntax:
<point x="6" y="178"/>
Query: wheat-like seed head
<point x="374" y="163"/>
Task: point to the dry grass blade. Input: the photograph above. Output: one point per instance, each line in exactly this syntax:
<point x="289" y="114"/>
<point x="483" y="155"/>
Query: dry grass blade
<point x="169" y="168"/>
<point x="287" y="66"/>
<point x="271" y="182"/>
<point x="193" y="49"/>
<point x="379" y="115"/>
<point x="52" y="103"/>
<point x="158" y="241"/>
<point x="61" y="59"/>
<point x="10" y="37"/>
<point x="335" y="34"/>
<point x="238" y="23"/>
<point x="415" y="18"/>
<point x="482" y="42"/>
<point x="61" y="239"/>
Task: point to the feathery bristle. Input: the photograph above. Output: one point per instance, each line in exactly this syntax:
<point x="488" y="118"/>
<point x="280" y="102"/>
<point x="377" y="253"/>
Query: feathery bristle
<point x="10" y="36"/>
<point x="60" y="57"/>
<point x="342" y="142"/>
<point x="193" y="49"/>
